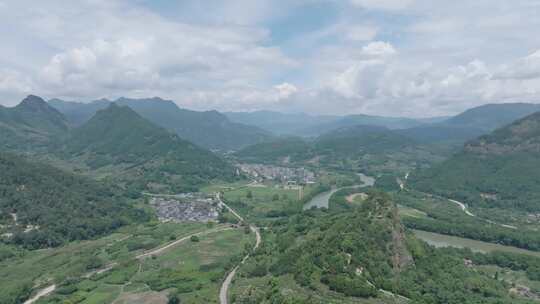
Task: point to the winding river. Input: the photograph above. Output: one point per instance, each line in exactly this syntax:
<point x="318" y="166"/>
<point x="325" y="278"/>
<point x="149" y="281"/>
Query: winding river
<point x="321" y="199"/>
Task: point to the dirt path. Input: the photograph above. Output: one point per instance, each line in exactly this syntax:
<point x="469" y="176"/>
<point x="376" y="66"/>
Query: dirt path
<point x="42" y="293"/>
<point x="224" y="290"/>
<point x="161" y="249"/>
<point x="463" y="207"/>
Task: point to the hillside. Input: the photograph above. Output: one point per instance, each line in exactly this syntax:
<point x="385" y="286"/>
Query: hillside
<point x="288" y="149"/>
<point x="120" y="141"/>
<point x="492" y="116"/>
<point x="495" y="170"/>
<point x="31" y="124"/>
<point x="42" y="206"/>
<point x="363" y="255"/>
<point x="209" y="129"/>
<point x="360" y="139"/>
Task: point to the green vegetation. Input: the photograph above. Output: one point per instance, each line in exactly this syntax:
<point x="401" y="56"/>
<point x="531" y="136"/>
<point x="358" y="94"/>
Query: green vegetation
<point x="145" y="156"/>
<point x="31" y="125"/>
<point x="494" y="171"/>
<point x="44" y="207"/>
<point x="445" y="217"/>
<point x="209" y="129"/>
<point x="361" y="256"/>
<point x="292" y="149"/>
<point x="21" y="270"/>
<point x="190" y="272"/>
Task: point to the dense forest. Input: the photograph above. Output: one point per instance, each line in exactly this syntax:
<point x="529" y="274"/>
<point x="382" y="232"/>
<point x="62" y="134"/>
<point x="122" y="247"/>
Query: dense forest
<point x="364" y="253"/>
<point x="42" y="206"/>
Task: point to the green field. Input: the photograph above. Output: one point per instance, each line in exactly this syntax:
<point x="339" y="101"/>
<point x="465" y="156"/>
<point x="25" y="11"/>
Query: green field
<point x="265" y="202"/>
<point x="192" y="269"/>
<point x="22" y="269"/>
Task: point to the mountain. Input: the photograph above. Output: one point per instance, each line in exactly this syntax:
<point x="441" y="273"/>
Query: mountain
<point x="280" y="123"/>
<point x="492" y="116"/>
<point x="360" y="139"/>
<point x="345" y="143"/>
<point x="41" y="206"/>
<point x="209" y="129"/>
<point x="496" y="170"/>
<point x="30" y="124"/>
<point x="361" y="255"/>
<point x="145" y="154"/>
<point x="283" y="150"/>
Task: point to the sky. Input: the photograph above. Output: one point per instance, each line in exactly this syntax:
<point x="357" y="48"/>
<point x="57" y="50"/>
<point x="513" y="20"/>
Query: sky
<point x="413" y="58"/>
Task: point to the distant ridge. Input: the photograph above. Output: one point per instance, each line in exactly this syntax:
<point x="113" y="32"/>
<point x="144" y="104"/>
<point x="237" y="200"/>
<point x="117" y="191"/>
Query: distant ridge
<point x="142" y="152"/>
<point x="209" y="129"/>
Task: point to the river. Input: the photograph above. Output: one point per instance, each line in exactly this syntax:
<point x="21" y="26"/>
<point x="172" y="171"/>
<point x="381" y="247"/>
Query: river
<point x="321" y="199"/>
<point x="441" y="240"/>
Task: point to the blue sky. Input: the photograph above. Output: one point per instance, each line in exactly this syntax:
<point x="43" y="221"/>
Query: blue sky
<point x="413" y="58"/>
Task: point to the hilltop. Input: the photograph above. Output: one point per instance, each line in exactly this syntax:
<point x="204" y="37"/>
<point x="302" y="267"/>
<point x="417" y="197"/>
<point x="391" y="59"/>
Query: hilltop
<point x="120" y="141"/>
<point x="209" y="129"/>
<point x="31" y="124"/>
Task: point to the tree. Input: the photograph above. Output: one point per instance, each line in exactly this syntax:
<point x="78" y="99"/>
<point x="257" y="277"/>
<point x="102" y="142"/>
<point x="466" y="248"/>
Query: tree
<point x="249" y="194"/>
<point x="275" y="197"/>
<point x="173" y="299"/>
<point x="194" y="238"/>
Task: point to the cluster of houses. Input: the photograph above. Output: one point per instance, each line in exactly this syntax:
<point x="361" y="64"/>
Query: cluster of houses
<point x="284" y="175"/>
<point x="186" y="207"/>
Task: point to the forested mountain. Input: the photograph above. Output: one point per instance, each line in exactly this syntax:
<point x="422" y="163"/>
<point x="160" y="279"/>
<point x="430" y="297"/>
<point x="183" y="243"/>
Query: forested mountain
<point x="495" y="170"/>
<point x="209" y="129"/>
<point x="364" y="252"/>
<point x="142" y="152"/>
<point x="344" y="143"/>
<point x="31" y="124"/>
<point x="360" y="139"/>
<point x="287" y="149"/>
<point x="471" y="123"/>
<point x="41" y="206"/>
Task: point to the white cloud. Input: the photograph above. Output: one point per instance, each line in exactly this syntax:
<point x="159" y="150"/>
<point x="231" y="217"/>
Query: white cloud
<point x="378" y="48"/>
<point x="285" y="90"/>
<point x="382" y="4"/>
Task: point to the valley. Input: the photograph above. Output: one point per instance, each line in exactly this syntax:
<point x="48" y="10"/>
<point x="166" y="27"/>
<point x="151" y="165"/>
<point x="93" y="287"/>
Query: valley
<point x="128" y="212"/>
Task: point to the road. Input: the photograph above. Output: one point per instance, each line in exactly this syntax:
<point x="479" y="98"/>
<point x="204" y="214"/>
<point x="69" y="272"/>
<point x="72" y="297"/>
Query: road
<point x="161" y="249"/>
<point x="49" y="289"/>
<point x="224" y="290"/>
<point x="42" y="293"/>
<point x="462" y="206"/>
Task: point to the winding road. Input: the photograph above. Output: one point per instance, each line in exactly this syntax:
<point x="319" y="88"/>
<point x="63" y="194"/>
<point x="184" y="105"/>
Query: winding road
<point x="224" y="290"/>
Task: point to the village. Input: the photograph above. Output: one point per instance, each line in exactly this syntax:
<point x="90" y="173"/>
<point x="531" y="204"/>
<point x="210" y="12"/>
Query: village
<point x="190" y="207"/>
<point x="286" y="176"/>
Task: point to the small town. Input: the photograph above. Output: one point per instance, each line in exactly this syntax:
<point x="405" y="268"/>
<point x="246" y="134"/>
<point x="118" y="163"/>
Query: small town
<point x="284" y="175"/>
<point x="189" y="208"/>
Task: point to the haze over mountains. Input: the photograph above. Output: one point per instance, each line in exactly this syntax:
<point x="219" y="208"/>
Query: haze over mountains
<point x="209" y="129"/>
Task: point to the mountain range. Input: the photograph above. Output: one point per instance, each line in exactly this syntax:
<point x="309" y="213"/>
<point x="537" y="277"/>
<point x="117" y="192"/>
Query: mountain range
<point x="209" y="129"/>
<point x="459" y="128"/>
